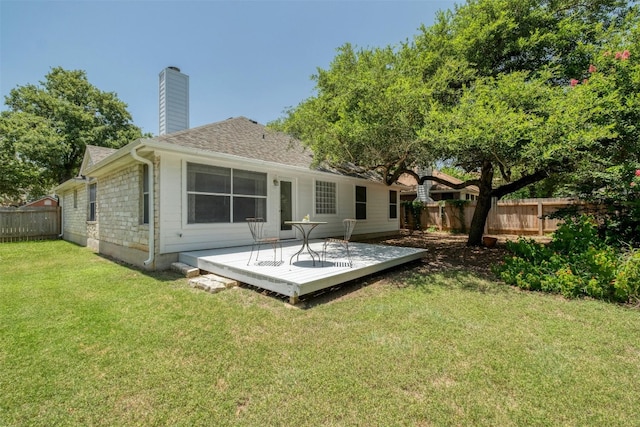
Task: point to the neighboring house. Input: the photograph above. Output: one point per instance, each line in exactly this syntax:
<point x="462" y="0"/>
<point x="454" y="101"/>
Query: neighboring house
<point x="189" y="190"/>
<point x="437" y="191"/>
<point x="44" y="202"/>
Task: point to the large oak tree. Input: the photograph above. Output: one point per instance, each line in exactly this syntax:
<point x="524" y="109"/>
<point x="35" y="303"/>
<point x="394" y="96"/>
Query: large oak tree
<point x="46" y="128"/>
<point x="487" y="87"/>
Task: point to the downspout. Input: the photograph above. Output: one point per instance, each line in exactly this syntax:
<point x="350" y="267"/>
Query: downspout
<point x="62" y="209"/>
<point x="152" y="227"/>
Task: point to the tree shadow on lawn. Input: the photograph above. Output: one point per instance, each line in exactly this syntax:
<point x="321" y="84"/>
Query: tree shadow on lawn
<point x="449" y="263"/>
<point x="420" y="274"/>
<point x="159" y="275"/>
<point x="455" y="279"/>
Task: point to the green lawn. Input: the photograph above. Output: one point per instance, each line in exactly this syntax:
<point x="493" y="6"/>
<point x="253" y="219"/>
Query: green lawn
<point x="86" y="341"/>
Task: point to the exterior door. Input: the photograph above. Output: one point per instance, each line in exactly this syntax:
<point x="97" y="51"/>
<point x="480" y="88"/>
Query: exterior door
<point x="287" y="195"/>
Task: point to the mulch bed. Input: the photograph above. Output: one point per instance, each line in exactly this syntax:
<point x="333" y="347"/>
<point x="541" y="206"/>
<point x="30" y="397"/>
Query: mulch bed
<point x="449" y="251"/>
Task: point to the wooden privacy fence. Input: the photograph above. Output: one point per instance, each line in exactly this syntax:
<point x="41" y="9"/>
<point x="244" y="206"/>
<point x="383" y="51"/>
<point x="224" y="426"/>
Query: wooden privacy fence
<point x="29" y="224"/>
<point x="519" y="217"/>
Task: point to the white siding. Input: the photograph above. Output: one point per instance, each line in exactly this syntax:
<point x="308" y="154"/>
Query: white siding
<point x="176" y="235"/>
<point x="119" y="233"/>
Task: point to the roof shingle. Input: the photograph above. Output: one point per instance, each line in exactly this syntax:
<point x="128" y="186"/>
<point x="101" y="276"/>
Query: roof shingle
<point x="243" y="137"/>
<point x="97" y="154"/>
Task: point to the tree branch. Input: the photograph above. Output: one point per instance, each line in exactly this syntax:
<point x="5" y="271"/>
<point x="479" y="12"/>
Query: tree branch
<point x="443" y="181"/>
<point x="503" y="190"/>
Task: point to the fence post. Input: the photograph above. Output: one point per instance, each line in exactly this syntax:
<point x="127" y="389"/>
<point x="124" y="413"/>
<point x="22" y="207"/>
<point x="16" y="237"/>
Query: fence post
<point x="491" y="218"/>
<point x="540" y="219"/>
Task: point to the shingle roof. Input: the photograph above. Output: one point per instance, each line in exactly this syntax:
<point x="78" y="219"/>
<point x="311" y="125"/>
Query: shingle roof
<point x="96" y="154"/>
<point x="243" y="137"/>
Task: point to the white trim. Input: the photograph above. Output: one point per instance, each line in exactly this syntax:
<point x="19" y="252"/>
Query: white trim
<point x="336" y="197"/>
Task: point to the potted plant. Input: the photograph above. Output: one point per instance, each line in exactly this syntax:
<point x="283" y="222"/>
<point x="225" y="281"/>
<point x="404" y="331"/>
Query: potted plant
<point x="489" y="241"/>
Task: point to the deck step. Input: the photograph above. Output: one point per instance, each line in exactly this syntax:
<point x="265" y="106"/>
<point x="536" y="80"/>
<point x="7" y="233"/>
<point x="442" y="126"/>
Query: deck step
<point x="212" y="283"/>
<point x="186" y="269"/>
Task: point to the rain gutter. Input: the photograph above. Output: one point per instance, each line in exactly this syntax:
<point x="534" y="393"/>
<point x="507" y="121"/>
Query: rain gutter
<point x="149" y="163"/>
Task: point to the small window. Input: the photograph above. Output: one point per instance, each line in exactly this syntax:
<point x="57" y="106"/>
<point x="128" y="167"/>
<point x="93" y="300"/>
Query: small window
<point x="361" y="202"/>
<point x="393" y="204"/>
<point x="75" y="199"/>
<point x="145" y="194"/>
<point x="325" y="198"/>
<point x="91" y="211"/>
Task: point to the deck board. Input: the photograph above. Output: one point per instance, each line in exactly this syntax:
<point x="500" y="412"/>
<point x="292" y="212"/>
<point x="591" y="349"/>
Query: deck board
<point x="301" y="277"/>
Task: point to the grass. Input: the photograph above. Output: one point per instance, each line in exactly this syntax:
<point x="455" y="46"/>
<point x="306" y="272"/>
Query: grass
<point x="86" y="341"/>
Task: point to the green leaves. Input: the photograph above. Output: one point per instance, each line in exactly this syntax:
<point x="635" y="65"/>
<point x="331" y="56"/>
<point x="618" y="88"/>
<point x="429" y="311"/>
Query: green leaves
<point x="368" y="109"/>
<point x="577" y="263"/>
<point x="486" y="88"/>
<point x="47" y="127"/>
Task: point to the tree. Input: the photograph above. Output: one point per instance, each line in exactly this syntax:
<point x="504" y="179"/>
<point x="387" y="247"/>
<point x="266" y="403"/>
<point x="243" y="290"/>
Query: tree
<point x="369" y="110"/>
<point x="509" y="130"/>
<point x="393" y="110"/>
<point x="44" y="132"/>
<point x="518" y="126"/>
<point x="610" y="177"/>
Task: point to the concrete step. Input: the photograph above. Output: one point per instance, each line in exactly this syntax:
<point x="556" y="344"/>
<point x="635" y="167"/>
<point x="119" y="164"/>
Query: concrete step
<point x="212" y="283"/>
<point x="187" y="270"/>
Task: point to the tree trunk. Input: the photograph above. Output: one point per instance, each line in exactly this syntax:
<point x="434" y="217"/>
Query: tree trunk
<point x="483" y="205"/>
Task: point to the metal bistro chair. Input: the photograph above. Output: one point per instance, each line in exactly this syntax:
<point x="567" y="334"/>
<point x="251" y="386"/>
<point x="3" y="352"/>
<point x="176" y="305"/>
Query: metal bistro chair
<point x="256" y="226"/>
<point x="349" y="225"/>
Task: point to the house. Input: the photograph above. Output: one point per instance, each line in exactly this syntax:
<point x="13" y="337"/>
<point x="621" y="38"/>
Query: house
<point x="43" y="202"/>
<point x="147" y="202"/>
<point x="437" y="191"/>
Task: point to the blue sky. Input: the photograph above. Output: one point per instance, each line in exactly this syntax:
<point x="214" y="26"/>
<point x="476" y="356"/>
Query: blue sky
<point x="243" y="58"/>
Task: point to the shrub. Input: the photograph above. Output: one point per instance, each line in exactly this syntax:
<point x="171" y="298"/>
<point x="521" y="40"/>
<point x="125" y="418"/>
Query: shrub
<point x="576" y="263"/>
<point x="627" y="280"/>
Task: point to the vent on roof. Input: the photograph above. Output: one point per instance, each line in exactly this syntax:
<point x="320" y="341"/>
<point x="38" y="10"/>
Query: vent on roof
<point x="253" y="121"/>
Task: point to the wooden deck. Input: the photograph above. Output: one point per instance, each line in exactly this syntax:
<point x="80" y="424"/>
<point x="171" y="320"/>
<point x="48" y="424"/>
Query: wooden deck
<point x="300" y="277"/>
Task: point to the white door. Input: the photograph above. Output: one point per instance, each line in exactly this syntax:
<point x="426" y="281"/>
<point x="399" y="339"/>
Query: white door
<point x="287" y="196"/>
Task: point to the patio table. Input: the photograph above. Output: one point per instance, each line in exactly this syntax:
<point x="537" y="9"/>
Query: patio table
<point x="305" y="228"/>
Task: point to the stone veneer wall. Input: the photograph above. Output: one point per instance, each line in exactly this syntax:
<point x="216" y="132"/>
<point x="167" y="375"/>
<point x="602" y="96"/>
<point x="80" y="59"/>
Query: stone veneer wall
<point x="75" y="225"/>
<point x="119" y="210"/>
<point x="118" y="231"/>
<point x="121" y="233"/>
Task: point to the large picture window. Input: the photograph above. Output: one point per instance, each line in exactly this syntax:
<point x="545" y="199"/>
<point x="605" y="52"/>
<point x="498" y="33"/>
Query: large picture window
<point x="220" y="195"/>
<point x="325" y="198"/>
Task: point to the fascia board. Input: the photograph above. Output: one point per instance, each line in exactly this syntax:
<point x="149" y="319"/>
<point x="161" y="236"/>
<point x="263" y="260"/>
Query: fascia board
<point x="168" y="147"/>
<point x="150" y="144"/>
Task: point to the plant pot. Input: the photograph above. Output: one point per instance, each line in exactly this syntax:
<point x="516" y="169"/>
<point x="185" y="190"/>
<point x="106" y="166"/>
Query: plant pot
<point x="489" y="241"/>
